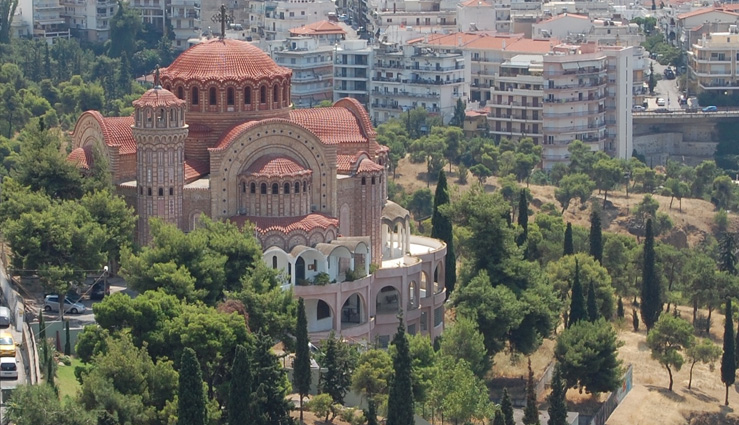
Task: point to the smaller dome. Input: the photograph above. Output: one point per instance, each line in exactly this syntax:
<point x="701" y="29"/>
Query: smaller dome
<point x="158" y="97"/>
<point x="280" y="166"/>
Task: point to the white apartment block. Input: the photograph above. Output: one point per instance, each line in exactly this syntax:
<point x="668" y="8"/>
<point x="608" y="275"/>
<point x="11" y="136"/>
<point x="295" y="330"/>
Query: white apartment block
<point x="352" y="62"/>
<point x="279" y="17"/>
<point x="516" y="103"/>
<point x="588" y="97"/>
<point x="411" y="76"/>
<point x="484" y="15"/>
<point x="152" y="11"/>
<point x="713" y="62"/>
<point x="312" y="65"/>
<point x="562" y="26"/>
<point x="89" y="19"/>
<point x="186" y="19"/>
<point x="40" y="19"/>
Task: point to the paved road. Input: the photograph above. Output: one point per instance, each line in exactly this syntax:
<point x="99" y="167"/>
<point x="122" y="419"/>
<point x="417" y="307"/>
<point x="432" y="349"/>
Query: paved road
<point x="666" y="89"/>
<point x="21" y="356"/>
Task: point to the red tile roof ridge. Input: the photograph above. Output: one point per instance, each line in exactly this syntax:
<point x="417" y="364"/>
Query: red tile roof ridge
<point x="367" y="165"/>
<point x="286" y="225"/>
<point x="158" y="97"/>
<point x="81" y="157"/>
<point x="195" y="169"/>
<point x="317" y="28"/>
<point x="277" y="165"/>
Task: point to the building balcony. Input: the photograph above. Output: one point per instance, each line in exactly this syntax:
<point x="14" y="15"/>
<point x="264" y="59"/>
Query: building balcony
<point x="575" y="129"/>
<point x="403" y="93"/>
<point x="566" y="115"/>
<point x="589" y="85"/>
<point x="579" y="71"/>
<point x="590" y="98"/>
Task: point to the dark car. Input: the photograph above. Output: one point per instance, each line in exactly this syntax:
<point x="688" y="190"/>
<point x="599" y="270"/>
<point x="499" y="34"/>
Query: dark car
<point x="669" y="74"/>
<point x="99" y="291"/>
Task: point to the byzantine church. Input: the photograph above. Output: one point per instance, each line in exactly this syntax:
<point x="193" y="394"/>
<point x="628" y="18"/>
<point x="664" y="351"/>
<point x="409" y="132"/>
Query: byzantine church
<point x="218" y="135"/>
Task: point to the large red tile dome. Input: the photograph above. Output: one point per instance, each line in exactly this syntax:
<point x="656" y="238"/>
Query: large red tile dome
<point x="223" y="60"/>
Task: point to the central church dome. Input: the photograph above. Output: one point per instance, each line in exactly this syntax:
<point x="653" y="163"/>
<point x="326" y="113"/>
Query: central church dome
<point x="222" y="60"/>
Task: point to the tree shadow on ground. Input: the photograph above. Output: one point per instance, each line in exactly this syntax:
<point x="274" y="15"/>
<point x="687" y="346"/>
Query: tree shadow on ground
<point x="700" y="395"/>
<point x="666" y="393"/>
<point x="712" y="418"/>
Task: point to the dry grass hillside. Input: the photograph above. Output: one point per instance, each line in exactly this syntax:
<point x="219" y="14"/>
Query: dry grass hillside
<point x="690" y="224"/>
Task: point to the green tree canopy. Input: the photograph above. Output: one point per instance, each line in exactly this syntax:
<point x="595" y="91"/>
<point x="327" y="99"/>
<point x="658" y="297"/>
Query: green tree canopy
<point x="669" y="337"/>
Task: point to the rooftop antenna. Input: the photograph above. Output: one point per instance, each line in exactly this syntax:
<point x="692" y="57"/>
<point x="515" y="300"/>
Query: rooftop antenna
<point x="223" y="17"/>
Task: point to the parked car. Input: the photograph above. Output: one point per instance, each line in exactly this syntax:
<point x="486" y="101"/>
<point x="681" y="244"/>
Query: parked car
<point x="638" y="108"/>
<point x="8" y="368"/>
<point x="710" y="109"/>
<point x="99" y="291"/>
<point x="662" y="111"/>
<point x="51" y="303"/>
<point x="7" y="345"/>
<point x="669" y="74"/>
<point x="661" y="101"/>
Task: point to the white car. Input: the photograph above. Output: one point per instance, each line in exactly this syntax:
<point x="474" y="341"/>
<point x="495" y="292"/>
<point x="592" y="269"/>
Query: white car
<point x="660" y="101"/>
<point x="8" y="368"/>
<point x="51" y="303"/>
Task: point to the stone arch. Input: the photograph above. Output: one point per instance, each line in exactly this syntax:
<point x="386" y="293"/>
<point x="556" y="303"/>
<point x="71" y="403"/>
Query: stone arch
<point x="272" y="137"/>
<point x="424" y="285"/>
<point x="344" y="220"/>
<point x="388" y="300"/>
<point x="90" y="130"/>
<point x="439" y="277"/>
<point x="353" y="310"/>
<point x="194" y="220"/>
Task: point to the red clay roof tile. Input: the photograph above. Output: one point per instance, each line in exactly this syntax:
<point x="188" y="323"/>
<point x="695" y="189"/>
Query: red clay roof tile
<point x="332" y="125"/>
<point x="369" y="166"/>
<point x="318" y="28"/>
<point x="117" y="132"/>
<point x="81" y="157"/>
<point x="306" y="223"/>
<point x="158" y="97"/>
<point x="267" y="166"/>
<point x="194" y="169"/>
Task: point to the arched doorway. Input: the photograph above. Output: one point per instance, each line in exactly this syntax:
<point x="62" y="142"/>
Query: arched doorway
<point x="299" y="269"/>
<point x="388" y="300"/>
<point x="352" y="311"/>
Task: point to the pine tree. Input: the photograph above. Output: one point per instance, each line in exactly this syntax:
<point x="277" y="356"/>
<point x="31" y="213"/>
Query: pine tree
<point x="301" y="364"/>
<point x="269" y="387"/>
<point x="67" y="340"/>
<point x="569" y="247"/>
<point x="441" y="228"/>
<point x="728" y="360"/>
<point x="596" y="237"/>
<point x="337" y="379"/>
<point x="620" y="308"/>
<point x="593" y="311"/>
<point x="557" y="399"/>
<point x="578" y="310"/>
<point x="651" y="298"/>
<point x="498" y="419"/>
<point x="523" y="217"/>
<point x="400" y="396"/>
<point x="240" y="391"/>
<point x="531" y="411"/>
<point x="507" y="408"/>
<point x="191" y="410"/>
<point x="728" y="255"/>
<point x="124" y="75"/>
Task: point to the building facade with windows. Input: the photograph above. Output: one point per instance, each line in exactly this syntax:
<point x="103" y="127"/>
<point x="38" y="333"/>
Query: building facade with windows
<point x="312" y="66"/>
<point x="352" y="62"/>
<point x="219" y="137"/>
<point x="89" y="19"/>
<point x="713" y="62"/>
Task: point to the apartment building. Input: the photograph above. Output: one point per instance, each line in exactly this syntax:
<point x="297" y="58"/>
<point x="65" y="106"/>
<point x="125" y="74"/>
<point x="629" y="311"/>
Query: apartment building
<point x="484" y="15"/>
<point x="327" y="33"/>
<point x="312" y="65"/>
<point x="516" y="103"/>
<point x="185" y="16"/>
<point x="42" y="19"/>
<point x="152" y="11"/>
<point x="712" y="62"/>
<point x="409" y="76"/>
<point x="713" y="15"/>
<point x="279" y="17"/>
<point x="352" y="61"/>
<point x="89" y="19"/>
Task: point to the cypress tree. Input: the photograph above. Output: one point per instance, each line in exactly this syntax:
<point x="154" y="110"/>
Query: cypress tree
<point x="557" y="400"/>
<point x="191" y="406"/>
<point x="507" y="408"/>
<point x="269" y="387"/>
<point x="50" y="372"/>
<point x="371" y="412"/>
<point x="569" y="247"/>
<point x="596" y="237"/>
<point x="240" y="390"/>
<point x="400" y="396"/>
<point x="335" y="381"/>
<point x="498" y="419"/>
<point x="593" y="313"/>
<point x="651" y="298"/>
<point x="635" y="320"/>
<point x="578" y="310"/>
<point x="523" y="217"/>
<point x="531" y="411"/>
<point x="728" y="361"/>
<point x="620" y="308"/>
<point x="728" y="257"/>
<point x="67" y="342"/>
<point x="301" y="364"/>
<point x="736" y="340"/>
<point x="441" y="228"/>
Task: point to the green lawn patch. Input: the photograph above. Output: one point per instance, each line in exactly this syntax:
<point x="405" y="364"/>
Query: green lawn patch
<point x="66" y="381"/>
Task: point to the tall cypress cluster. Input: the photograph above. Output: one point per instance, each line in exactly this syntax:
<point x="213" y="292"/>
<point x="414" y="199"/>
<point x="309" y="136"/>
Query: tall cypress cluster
<point x="191" y="406"/>
<point x="239" y="400"/>
<point x="728" y="361"/>
<point x="569" y="246"/>
<point x="578" y="310"/>
<point x="523" y="217"/>
<point x="557" y="399"/>
<point x="531" y="411"/>
<point x="400" y="397"/>
<point x="651" y="297"/>
<point x="441" y="228"/>
<point x="596" y="237"/>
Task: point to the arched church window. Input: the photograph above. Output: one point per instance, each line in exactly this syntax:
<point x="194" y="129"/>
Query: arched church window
<point x="274" y="261"/>
<point x="305" y="187"/>
<point x="275" y="188"/>
<point x="253" y="188"/>
<point x="263" y="94"/>
<point x="275" y="94"/>
<point x="247" y="96"/>
<point x="195" y="96"/>
<point x="284" y="93"/>
<point x="148" y="191"/>
<point x="287" y="188"/>
<point x="243" y="187"/>
<point x="161" y="192"/>
<point x="263" y="189"/>
<point x="297" y="187"/>
<point x="364" y="181"/>
<point x="323" y="311"/>
<point x="212" y="96"/>
<point x="230" y="96"/>
<point x="180" y="92"/>
<point x="171" y="191"/>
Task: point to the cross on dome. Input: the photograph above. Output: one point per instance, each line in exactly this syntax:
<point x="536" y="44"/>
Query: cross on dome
<point x="223" y="17"/>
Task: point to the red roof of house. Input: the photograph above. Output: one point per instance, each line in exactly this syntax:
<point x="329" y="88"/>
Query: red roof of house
<point x="369" y="166"/>
<point x="332" y="125"/>
<point x="222" y="60"/>
<point x="306" y="223"/>
<point x="268" y="166"/>
<point x="318" y="28"/>
<point x="158" y="97"/>
<point x="481" y="3"/>
<point x="81" y="157"/>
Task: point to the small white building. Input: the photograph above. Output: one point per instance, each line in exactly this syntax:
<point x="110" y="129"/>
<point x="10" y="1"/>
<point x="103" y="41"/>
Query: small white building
<point x="312" y="65"/>
<point x="562" y="26"/>
<point x="484" y="15"/>
<point x="89" y="20"/>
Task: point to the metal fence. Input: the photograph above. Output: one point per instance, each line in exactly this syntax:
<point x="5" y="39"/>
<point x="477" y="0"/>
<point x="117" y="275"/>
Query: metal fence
<point x="615" y="398"/>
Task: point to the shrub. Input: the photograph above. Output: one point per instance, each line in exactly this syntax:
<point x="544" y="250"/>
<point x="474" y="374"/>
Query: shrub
<point x="321" y="279"/>
<point x="323" y="406"/>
